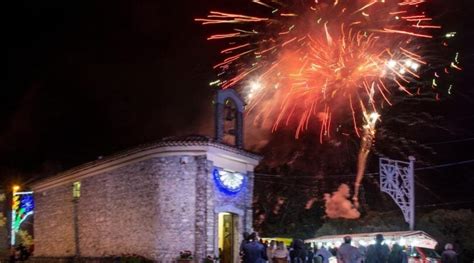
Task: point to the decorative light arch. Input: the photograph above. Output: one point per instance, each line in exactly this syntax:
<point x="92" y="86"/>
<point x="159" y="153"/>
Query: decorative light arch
<point x="228" y="182"/>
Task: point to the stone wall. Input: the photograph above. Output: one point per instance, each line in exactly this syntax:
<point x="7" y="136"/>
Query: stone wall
<point x="54" y="235"/>
<point x="154" y="208"/>
<point x="248" y="223"/>
<point x="202" y="188"/>
<point x="210" y="219"/>
<point x="177" y="201"/>
<point x="114" y="212"/>
<point x="145" y="208"/>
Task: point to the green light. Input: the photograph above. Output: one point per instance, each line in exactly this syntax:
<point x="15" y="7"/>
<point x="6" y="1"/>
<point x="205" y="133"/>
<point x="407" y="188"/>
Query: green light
<point x="76" y="189"/>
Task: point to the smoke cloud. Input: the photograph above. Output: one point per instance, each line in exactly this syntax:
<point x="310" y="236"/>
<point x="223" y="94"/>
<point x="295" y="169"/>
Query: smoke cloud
<point x="338" y="205"/>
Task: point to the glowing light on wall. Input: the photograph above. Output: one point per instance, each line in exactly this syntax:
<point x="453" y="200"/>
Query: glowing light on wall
<point x="22" y="207"/>
<point x="76" y="190"/>
<point x="228" y="182"/>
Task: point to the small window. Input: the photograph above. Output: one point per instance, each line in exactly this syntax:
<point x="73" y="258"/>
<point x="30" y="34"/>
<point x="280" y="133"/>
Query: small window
<point x="76" y="189"/>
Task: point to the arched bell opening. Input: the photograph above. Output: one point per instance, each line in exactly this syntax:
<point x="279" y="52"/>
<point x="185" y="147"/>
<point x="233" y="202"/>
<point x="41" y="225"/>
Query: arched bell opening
<point x="229" y="118"/>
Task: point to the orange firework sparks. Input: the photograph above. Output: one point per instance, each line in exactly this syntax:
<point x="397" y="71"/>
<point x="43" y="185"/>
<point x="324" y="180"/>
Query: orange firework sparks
<point x="312" y="58"/>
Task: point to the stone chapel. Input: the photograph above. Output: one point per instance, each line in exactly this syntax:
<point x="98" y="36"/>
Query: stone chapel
<point x="181" y="193"/>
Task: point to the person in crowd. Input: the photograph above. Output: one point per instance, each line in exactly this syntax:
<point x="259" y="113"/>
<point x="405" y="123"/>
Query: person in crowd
<point x="348" y="253"/>
<point x="377" y="253"/>
<point x="264" y="243"/>
<point x="309" y="254"/>
<point x="317" y="258"/>
<point x="13" y="255"/>
<point x="299" y="251"/>
<point x="397" y="255"/>
<point x="253" y="250"/>
<point x="271" y="247"/>
<point x="333" y="250"/>
<point x="292" y="252"/>
<point x="245" y="240"/>
<point x="449" y="255"/>
<point x="323" y="253"/>
<point x="362" y="250"/>
<point x="280" y="254"/>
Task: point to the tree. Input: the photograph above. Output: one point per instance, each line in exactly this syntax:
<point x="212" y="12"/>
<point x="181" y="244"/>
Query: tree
<point x="25" y="238"/>
<point x="451" y="226"/>
<point x="371" y="222"/>
<point x="3" y="225"/>
<point x="3" y="219"/>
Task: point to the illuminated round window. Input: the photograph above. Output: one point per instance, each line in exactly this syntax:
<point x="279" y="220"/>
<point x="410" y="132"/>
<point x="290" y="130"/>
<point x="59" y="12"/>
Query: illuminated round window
<point x="228" y="182"/>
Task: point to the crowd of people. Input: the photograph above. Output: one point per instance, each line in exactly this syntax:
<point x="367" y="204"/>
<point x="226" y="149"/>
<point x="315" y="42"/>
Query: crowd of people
<point x="19" y="253"/>
<point x="254" y="250"/>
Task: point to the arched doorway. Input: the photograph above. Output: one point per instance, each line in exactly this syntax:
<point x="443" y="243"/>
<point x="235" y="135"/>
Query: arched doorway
<point x="227" y="236"/>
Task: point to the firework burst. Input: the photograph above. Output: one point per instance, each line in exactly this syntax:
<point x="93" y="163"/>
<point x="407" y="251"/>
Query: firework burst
<point x="302" y="61"/>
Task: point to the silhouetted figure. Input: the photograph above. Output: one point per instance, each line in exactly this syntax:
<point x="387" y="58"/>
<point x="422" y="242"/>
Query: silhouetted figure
<point x="254" y="251"/>
<point x="309" y="254"/>
<point x="348" y="253"/>
<point x="397" y="255"/>
<point x="299" y="251"/>
<point x="362" y="250"/>
<point x="13" y="255"/>
<point x="379" y="252"/>
<point x="245" y="240"/>
<point x="449" y="255"/>
<point x="324" y="254"/>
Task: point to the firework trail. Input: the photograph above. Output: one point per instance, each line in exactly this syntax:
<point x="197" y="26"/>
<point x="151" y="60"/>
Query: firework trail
<point x="309" y="60"/>
<point x="311" y="63"/>
<point x="366" y="143"/>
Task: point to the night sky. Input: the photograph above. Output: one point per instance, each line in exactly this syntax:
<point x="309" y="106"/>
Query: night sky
<point x="88" y="78"/>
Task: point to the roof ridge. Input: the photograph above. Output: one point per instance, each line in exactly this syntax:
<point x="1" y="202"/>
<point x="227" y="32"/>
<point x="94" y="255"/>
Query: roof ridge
<point x="187" y="140"/>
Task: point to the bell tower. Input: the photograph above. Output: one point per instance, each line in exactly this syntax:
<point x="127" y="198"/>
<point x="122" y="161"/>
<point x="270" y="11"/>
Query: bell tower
<point x="229" y="120"/>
